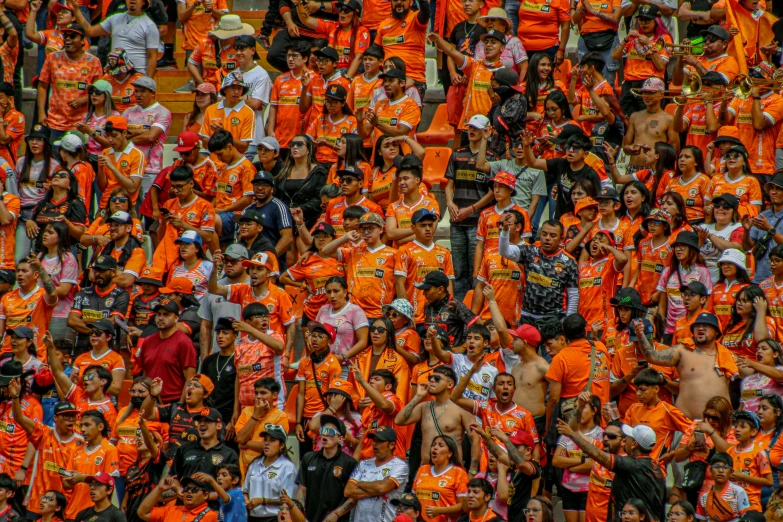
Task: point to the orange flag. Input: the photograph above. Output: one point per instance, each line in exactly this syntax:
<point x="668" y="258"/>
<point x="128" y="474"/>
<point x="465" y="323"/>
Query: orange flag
<point x="753" y="34"/>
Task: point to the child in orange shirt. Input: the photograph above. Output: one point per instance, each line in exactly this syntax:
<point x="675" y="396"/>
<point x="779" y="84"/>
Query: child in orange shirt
<point x="752" y="470"/>
<point x="598" y="272"/>
<point x="577" y="234"/>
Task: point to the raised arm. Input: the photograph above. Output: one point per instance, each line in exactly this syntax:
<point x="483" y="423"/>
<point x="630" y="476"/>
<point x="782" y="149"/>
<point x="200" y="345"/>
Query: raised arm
<point x="15" y="391"/>
<point x="62" y="380"/>
<point x="385" y="405"/>
<point x="667" y="357"/>
<point x="411" y="413"/>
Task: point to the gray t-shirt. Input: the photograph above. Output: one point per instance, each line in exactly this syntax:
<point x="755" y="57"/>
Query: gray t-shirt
<point x="135" y="34"/>
<point x="259" y="88"/>
<point x="530" y="181"/>
<point x="213" y="307"/>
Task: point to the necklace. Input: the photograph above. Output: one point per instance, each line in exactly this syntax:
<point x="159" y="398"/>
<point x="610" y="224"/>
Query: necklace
<point x="217" y="364"/>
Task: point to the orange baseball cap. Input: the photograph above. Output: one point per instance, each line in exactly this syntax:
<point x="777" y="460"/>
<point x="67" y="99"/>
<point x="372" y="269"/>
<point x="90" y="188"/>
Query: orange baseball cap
<point x="205" y="382"/>
<point x="151" y="275"/>
<point x="342" y="387"/>
<point x="178" y="285"/>
<point x="116" y="123"/>
<point x="260" y="259"/>
<point x="728" y="133"/>
<point x="583" y="204"/>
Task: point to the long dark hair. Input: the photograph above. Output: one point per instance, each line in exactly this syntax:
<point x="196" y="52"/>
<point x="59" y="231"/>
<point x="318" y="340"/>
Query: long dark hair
<point x="742" y="276"/>
<point x="748" y="293"/>
<point x="24" y="176"/>
<point x="390" y="332"/>
<point x="681" y="219"/>
<point x="144" y="381"/>
<point x="533" y="83"/>
<point x="73" y="190"/>
<point x="193" y="118"/>
<point x="642" y="188"/>
<point x="378" y="160"/>
<point x="61" y="501"/>
<point x="354" y="151"/>
<point x="452" y="445"/>
<point x="64" y="236"/>
<point x="667" y="159"/>
<point x="119" y="191"/>
<point x="289" y="162"/>
<point x="561" y="100"/>
<point x="641" y="507"/>
<point x="775" y="402"/>
<point x="698" y="158"/>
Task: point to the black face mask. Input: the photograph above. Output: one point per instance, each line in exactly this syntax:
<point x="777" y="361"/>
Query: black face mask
<point x="502" y="91"/>
<point x="136" y="402"/>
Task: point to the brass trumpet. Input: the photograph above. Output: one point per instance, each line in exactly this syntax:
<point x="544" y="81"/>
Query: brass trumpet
<point x="702" y="97"/>
<point x="742" y="85"/>
<point x="678" y="49"/>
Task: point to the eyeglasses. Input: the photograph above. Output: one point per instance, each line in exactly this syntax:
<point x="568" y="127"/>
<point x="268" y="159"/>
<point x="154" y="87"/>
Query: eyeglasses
<point x="346" y="180"/>
<point x="95" y="331"/>
<point x="118" y="199"/>
<point x="673" y="514"/>
<point x="59" y="175"/>
<point x="191" y="489"/>
<point x="732" y="155"/>
<point x="723" y="205"/>
<point x="293" y="56"/>
<point x="527" y="511"/>
<point x="177" y="187"/>
<point x="720" y="467"/>
<point x="628" y="513"/>
<point x="377" y="329"/>
<point x="328" y="432"/>
<point x="297" y="144"/>
<point x="323" y="60"/>
<point x="88" y="377"/>
<point x="435" y="378"/>
<point x="246" y="223"/>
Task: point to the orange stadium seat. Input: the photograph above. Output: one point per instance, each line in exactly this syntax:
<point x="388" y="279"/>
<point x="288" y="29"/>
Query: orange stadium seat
<point x="439" y="132"/>
<point x="123" y="399"/>
<point x="561" y="73"/>
<point x="436" y="159"/>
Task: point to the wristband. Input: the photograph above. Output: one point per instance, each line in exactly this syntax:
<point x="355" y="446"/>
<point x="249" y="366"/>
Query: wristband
<point x="254" y="418"/>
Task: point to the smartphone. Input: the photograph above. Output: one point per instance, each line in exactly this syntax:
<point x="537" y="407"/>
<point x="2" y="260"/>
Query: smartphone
<point x="122" y="324"/>
<point x="643" y="363"/>
<point x="699" y="436"/>
<point x="165" y="211"/>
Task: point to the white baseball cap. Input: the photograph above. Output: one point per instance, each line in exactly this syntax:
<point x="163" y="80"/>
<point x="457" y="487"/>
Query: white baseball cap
<point x="735" y="257"/>
<point x="643" y="435"/>
<point x="479" y="121"/>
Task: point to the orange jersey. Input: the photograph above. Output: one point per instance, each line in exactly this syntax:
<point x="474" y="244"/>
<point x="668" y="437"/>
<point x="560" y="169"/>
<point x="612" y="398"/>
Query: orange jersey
<point x="597" y="285"/>
<point x="381" y="185"/>
<point x="201" y="22"/>
<point x="390" y="360"/>
<point x="588" y="108"/>
<point x="281" y="309"/>
<point x="693" y="192"/>
<point x="336" y="208"/>
<point x="663" y="418"/>
<point x="125" y="434"/>
<point x="130" y="162"/>
<point x="416" y="261"/>
<point x="274" y="416"/>
<point x="539" y="22"/>
<point x="403" y="213"/>
<point x="199" y="214"/>
<point x="204" y="55"/>
<point x="374" y="12"/>
<point x="317" y="374"/>
<point x="516" y="418"/>
<point x="13" y="438"/>
<point x="599" y="490"/>
<point x="373" y="418"/>
<point x="14" y="122"/>
<point x="325" y="128"/>
<point x="488" y="225"/>
<point x="286" y="91"/>
<point x="171" y="512"/>
<point x="774" y="295"/>
<point x="651" y="261"/>
<point x="402" y="113"/>
<point x="366" y="168"/>
<point x="255" y="360"/>
<point x="52" y="456"/>
<point x="742" y="342"/>
<point x="206" y="175"/>
<point x="760" y="144"/>
<point x="623" y="362"/>
<point x="68" y="80"/>
<point x="371" y="277"/>
<point x="89" y="462"/>
<point x="746" y="188"/>
<point x="405" y="39"/>
<point x="639" y="64"/>
<point x="8" y="232"/>
<point x="52" y="40"/>
<point x="477" y="101"/>
<point x="593" y="24"/>
<point x="317" y="89"/>
<point x="234" y="181"/>
<point x="507" y="278"/>
<point x="753" y="462"/>
<point x="360" y="96"/>
<point x="239" y="120"/>
<point x="571" y="367"/>
<point x="722" y="299"/>
<point x="85" y="175"/>
<point x="444" y="489"/>
<point x="30" y="310"/>
<point x="314" y="272"/>
<point x="110" y="360"/>
<point x="83" y="403"/>
<point x="123" y="93"/>
<point x="343" y="40"/>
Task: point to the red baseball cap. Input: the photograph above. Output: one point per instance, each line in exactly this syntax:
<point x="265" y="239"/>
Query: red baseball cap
<point x="187" y="141"/>
<point x="102" y="478"/>
<point x="527" y="333"/>
<point x="522" y="438"/>
<point x="328" y="329"/>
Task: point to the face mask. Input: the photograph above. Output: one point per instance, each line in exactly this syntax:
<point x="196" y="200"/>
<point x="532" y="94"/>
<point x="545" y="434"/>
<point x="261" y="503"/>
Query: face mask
<point x="136" y="402"/>
<point x="502" y="91"/>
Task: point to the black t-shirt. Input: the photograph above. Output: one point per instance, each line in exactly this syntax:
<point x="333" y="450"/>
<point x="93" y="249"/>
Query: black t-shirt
<point x="72" y="209"/>
<point x="182" y="427"/>
<point x="641" y="478"/>
<point x="602" y="131"/>
<point x="470" y="184"/>
<point x="452" y="315"/>
<point x="519" y="493"/>
<point x="110" y="514"/>
<point x="559" y="171"/>
<point x="192" y="458"/>
<point x="139" y="481"/>
<point x="223" y="372"/>
<point x="465" y="36"/>
<point x="328" y="477"/>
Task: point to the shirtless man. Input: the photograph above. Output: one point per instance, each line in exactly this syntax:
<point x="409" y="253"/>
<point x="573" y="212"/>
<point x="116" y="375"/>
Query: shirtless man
<point x="705" y="372"/>
<point x="649" y="126"/>
<point x="451" y="419"/>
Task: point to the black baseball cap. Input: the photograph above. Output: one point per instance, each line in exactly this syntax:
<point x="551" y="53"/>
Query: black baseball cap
<point x="263" y="176"/>
<point x="210" y="414"/>
<point x="74" y="28"/>
<point x="608" y="193"/>
<point x="648" y="11"/>
<point x="105" y="263"/>
<point x="393" y="73"/>
<point x="567" y="131"/>
<point x="628" y="297"/>
<point x="25" y="332"/>
<point x="167" y="304"/>
<point x="717" y="31"/>
<point x="188" y="481"/>
<point x="64" y="407"/>
<point x="324" y="228"/>
<point x="276" y="432"/>
<point x="731" y="199"/>
<point x="422" y="214"/>
<point x="436" y="278"/>
<point x="251" y="215"/>
<point x="331" y="419"/>
<point x="104" y="325"/>
<point x="336" y="92"/>
<point x="328" y="52"/>
<point x="409" y="161"/>
<point x="351" y="171"/>
<point x="225" y="323"/>
<point x="383" y="433"/>
<point x="696" y="287"/>
<point x="246" y="40"/>
<point x="408" y="500"/>
<point x="495" y="34"/>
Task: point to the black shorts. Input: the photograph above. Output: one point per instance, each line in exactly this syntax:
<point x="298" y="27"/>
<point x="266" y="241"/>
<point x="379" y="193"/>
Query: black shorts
<point x="573" y="501"/>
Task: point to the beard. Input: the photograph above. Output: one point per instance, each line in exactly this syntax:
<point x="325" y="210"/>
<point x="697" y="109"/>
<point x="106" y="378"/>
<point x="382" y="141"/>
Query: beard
<point x="400" y="15"/>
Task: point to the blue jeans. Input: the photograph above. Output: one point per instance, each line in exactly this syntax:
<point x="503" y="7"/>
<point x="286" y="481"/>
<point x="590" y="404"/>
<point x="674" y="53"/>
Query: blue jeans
<point x="463" y="245"/>
<point x="229" y="227"/>
<point x="612" y="66"/>
<point x="512" y="10"/>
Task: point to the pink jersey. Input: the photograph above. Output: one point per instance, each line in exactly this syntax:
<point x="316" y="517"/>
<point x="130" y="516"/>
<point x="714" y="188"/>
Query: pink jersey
<point x="63" y="271"/>
<point x="755" y="386"/>
<point x="156" y="115"/>
<point x="346" y="322"/>
<point x="254" y="360"/>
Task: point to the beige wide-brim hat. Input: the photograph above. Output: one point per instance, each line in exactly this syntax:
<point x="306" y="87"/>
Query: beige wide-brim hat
<point x="497" y="12"/>
<point x="231" y="26"/>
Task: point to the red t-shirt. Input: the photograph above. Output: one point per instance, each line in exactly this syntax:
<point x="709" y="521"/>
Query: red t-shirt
<point x="167" y="359"/>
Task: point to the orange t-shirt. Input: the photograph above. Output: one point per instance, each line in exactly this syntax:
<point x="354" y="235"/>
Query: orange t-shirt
<point x="8" y="232"/>
<point x="343" y="41"/>
<point x="514" y="419"/>
<point x="507" y="278"/>
<point x="123" y="93"/>
<point x="754" y="462"/>
<point x="83" y="403"/>
<point x="371" y="277"/>
<point x="314" y="272"/>
<point x="289" y="122"/>
<point x="638" y="65"/>
<point x="402" y="113"/>
<point x="571" y="367"/>
<point x="651" y="260"/>
<point x="195" y="28"/>
<point x="89" y="462"/>
<point x="444" y="489"/>
<point x="52" y="455"/>
<point x="239" y="120"/>
<point x="360" y="96"/>
<point x="403" y="213"/>
<point x="539" y="22"/>
<point x="774" y="295"/>
<point x="488" y="225"/>
<point x="320" y="374"/>
<point x="233" y="182"/>
<point x="695" y="118"/>
<point x="274" y="416"/>
<point x="204" y="55"/>
<point x="110" y="360"/>
<point x="623" y="362"/>
<point x="477" y="100"/>
<point x="597" y="285"/>
<point x="125" y="433"/>
<point x="130" y="162"/>
<point x="663" y="418"/>
<point x="390" y="360"/>
<point x="330" y="130"/>
<point x="588" y="108"/>
<point x="13" y="438"/>
<point x="85" y="175"/>
<point x="205" y="175"/>
<point x="381" y="185"/>
<point x="68" y="80"/>
<point x="405" y="39"/>
<point x="336" y="208"/>
<point x="416" y="261"/>
<point x="722" y="299"/>
<point x="29" y="310"/>
<point x="14" y="122"/>
<point x="693" y="192"/>
<point x="599" y="490"/>
<point x="593" y="24"/>
<point x="281" y="309"/>
<point x="760" y="144"/>
<point x="199" y="214"/>
<point x="373" y="418"/>
<point x="255" y="360"/>
<point x="746" y="188"/>
<point x="171" y="512"/>
<point x="317" y="89"/>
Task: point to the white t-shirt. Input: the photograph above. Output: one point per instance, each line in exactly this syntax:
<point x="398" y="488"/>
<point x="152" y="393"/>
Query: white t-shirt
<point x="481" y="383"/>
<point x="379" y="509"/>
<point x="710" y="252"/>
<point x="135" y="34"/>
<point x="259" y="88"/>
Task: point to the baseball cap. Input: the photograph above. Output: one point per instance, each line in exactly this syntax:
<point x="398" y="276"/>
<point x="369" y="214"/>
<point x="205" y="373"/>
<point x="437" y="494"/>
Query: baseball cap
<point x="187" y="141"/>
<point x="236" y="251"/>
<point x="409" y="161"/>
<point x="608" y="193"/>
<point x="696" y="287"/>
<point x="151" y="275"/>
<point x="753" y="516"/>
<point x="116" y="123"/>
<point x="653" y="84"/>
<point x="508" y="78"/>
<point x="717" y="31"/>
<point x="478" y="121"/>
<point x="276" y="432"/>
<point x="527" y="333"/>
<point x="189" y="236"/>
<point x="731" y="199"/>
<point x="422" y="214"/>
<point x="566" y="132"/>
<point x="648" y="331"/>
<point x="168" y="305"/>
<point x="372" y="218"/>
<point x="206" y="88"/>
<point x="105" y="263"/>
<point x="190" y="481"/>
<point x="70" y="142"/>
<point x="407" y="499"/>
<point x="209" y="414"/>
<point x="337" y="423"/>
<point x="328" y="329"/>
<point x="643" y="435"/>
<point x="352" y="172"/>
<point x="436" y="278"/>
<point x="225" y="323"/>
<point x="64" y="407"/>
<point x="263" y="176"/>
<point x="246" y="40"/>
<point x="103" y="325"/>
<point x="494" y="33"/>
<point x="145" y="82"/>
<point x="583" y="204"/>
<point x="323" y="228"/>
<point x="341" y="387"/>
<point x="522" y="438"/>
<point x="353" y="5"/>
<point x="121" y="217"/>
<point x="74" y="28"/>
<point x="336" y="92"/>
<point x="101" y="478"/>
<point x="648" y="11"/>
<point x="329" y="53"/>
<point x="261" y="259"/>
<point x="179" y="285"/>
<point x="747" y="415"/>
<point x="250" y="215"/>
<point x="100" y="86"/>
<point x="728" y="133"/>
<point x="383" y="433"/>
<point x="733" y="256"/>
<point x="393" y="73"/>
<point x="269" y="143"/>
<point x="205" y="383"/>
<point x="21" y="331"/>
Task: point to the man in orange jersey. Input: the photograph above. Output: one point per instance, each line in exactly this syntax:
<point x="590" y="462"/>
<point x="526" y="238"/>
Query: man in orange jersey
<point x="351" y="181"/>
<point x="16" y="453"/>
<point x="594" y="88"/>
<point x="30" y="305"/>
<point x="101" y="333"/>
<point x="259" y="290"/>
<point x="758" y="120"/>
<point x="186" y="211"/>
<point x="97" y="456"/>
<point x="364" y="85"/>
<point x="752" y="470"/>
<point x="120" y="75"/>
<point x="194" y="502"/>
<point x="397" y="115"/>
<point x="122" y="164"/>
<point x="651" y="411"/>
<point x="381" y="406"/>
<point x="124" y="248"/>
<point x="234" y="184"/>
<point x="10" y="207"/>
<point x="404" y="35"/>
<point x="54" y="446"/>
<point x="314" y="88"/>
<point x="12" y="129"/>
<point x="66" y="74"/>
<point x="399" y="213"/>
<point x="231" y="114"/>
<point x="369" y="267"/>
<point x="284" y="120"/>
<point x="600" y="488"/>
<point x="420" y="257"/>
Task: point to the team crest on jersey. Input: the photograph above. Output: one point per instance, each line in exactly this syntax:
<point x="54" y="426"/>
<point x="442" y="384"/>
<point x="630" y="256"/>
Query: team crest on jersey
<point x="398" y="111"/>
<point x="191" y="216"/>
<point x="443" y="483"/>
<point x="110" y="301"/>
<point x="337" y="471"/>
<point x="440" y="258"/>
<point x="217" y="458"/>
<point x="323" y="375"/>
<point x="509" y="424"/>
<point x="98" y="461"/>
<point x="380" y="261"/>
<point x="693" y="191"/>
<point x="444" y="316"/>
<point x="559" y="267"/>
<point x="485" y="378"/>
<point x="234" y="121"/>
<point x="664" y="254"/>
<point x="192" y="438"/>
<point x="400" y="342"/>
<point x="747" y="462"/>
<point x="232" y="178"/>
<point x="385" y="472"/>
<point x="84" y="72"/>
<point x="740" y="191"/>
<point x="271" y="308"/>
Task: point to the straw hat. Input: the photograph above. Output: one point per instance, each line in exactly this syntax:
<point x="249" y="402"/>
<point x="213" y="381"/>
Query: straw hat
<point x="231" y="26"/>
<point x="496" y="12"/>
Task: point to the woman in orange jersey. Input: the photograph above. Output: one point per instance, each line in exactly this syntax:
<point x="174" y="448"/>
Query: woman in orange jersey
<point x="557" y="114"/>
<point x="722" y="230"/>
<point x="97" y="235"/>
<point x="383" y="187"/>
<point x="582" y="189"/>
<point x="674" y="205"/>
<point x="191" y="264"/>
<point x="598" y="277"/>
<point x="441" y="485"/>
<point x="52" y="506"/>
<point x="350" y="151"/>
<point x="690" y="182"/>
<point x="100" y="106"/>
<point x="738" y="180"/>
<point x="653" y="255"/>
<point x="733" y="278"/>
<point x="749" y="324"/>
<point x="717" y="434"/>
<point x="634" y="208"/>
<point x="539" y="84"/>
<point x="206" y="95"/>
<point x="336" y="120"/>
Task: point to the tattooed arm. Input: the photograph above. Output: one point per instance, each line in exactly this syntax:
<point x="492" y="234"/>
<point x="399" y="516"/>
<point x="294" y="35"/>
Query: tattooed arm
<point x="602" y="457"/>
<point x="411" y="413"/>
<point x="50" y="297"/>
<point x="667" y="357"/>
<point x="491" y="445"/>
<point x="341" y="510"/>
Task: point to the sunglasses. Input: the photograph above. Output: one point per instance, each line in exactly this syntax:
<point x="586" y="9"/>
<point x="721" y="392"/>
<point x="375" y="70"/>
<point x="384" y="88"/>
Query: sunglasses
<point x="95" y="331"/>
<point x="88" y="377"/>
<point x="711" y="417"/>
<point x="59" y="175"/>
<point x="612" y="436"/>
<point x="732" y="155"/>
<point x="711" y="39"/>
<point x="391" y="314"/>
<point x="377" y="329"/>
<point x="46" y="498"/>
<point x="329" y="432"/>
<point x="720" y="467"/>
<point x="273" y="427"/>
<point x="344" y="10"/>
<point x="118" y="199"/>
<point x="192" y="489"/>
<point x="573" y="148"/>
<point x="297" y="144"/>
<point x="435" y="378"/>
